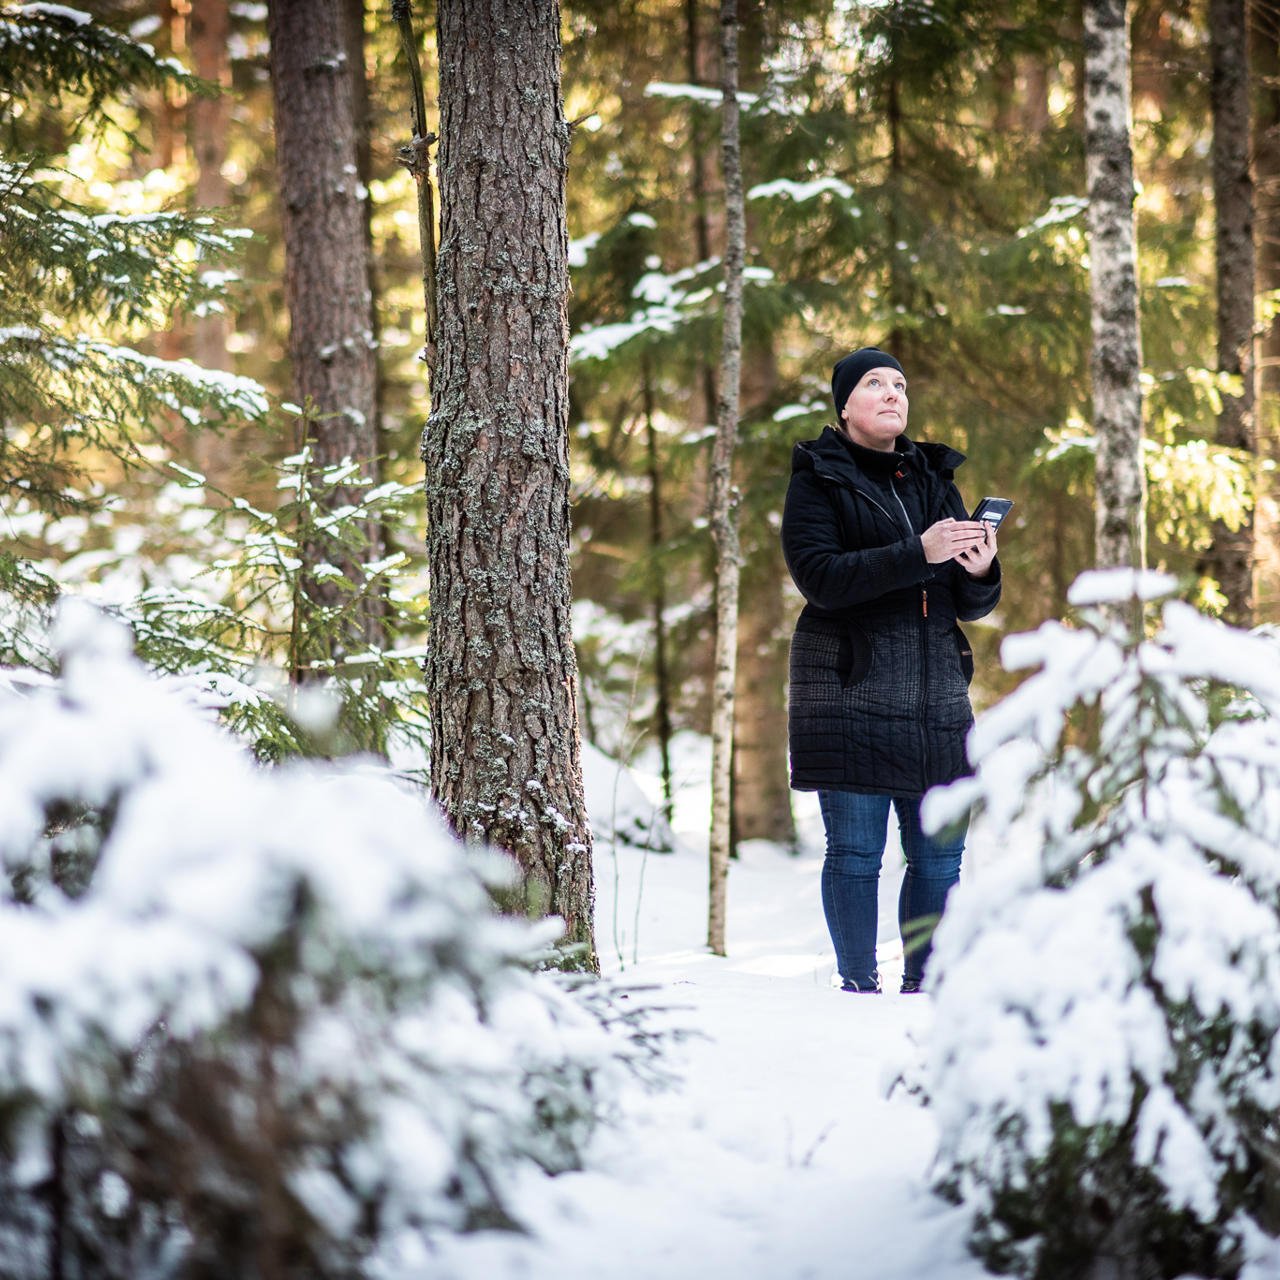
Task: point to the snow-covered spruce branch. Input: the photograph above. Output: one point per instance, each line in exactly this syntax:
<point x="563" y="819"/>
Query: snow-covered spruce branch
<point x="1103" y="1064"/>
<point x="260" y="1013"/>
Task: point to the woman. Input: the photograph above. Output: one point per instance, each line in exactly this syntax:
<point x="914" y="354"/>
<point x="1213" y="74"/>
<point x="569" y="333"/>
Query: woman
<point x="881" y="546"/>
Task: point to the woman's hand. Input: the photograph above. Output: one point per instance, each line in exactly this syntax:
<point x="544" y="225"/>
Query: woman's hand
<point x="965" y="540"/>
<point x="976" y="561"/>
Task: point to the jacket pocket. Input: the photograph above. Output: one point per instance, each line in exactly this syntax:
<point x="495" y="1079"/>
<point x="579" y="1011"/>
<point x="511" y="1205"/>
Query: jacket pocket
<point x="853" y="661"/>
<point x="965" y="650"/>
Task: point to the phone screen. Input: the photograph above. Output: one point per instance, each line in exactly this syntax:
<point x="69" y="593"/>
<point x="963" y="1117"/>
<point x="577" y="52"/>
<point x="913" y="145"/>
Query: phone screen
<point x="993" y="510"/>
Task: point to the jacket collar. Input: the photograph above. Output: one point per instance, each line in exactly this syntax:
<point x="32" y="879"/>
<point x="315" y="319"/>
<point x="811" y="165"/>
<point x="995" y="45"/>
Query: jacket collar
<point x="833" y="454"/>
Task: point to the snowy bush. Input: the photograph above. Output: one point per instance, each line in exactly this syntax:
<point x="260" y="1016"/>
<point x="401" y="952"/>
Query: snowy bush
<point x="257" y="1021"/>
<point x="1105" y="1064"/>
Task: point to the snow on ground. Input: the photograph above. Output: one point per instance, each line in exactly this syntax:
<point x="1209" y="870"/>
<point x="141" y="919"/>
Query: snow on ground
<point x="778" y="1157"/>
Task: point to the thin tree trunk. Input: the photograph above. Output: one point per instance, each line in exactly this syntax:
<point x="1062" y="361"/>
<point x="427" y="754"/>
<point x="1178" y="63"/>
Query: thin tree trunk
<point x="761" y="783"/>
<point x="354" y="14"/>
<point x="415" y="156"/>
<point x="326" y="267"/>
<point x="1230" y="559"/>
<point x="699" y="184"/>
<point x="1265" y="62"/>
<point x="661" y="671"/>
<point x="1117" y="349"/>
<point x="724" y="523"/>
<point x="207" y="119"/>
<point x="762" y="788"/>
<point x="500" y="670"/>
<point x="1035" y="117"/>
<point x="168" y="117"/>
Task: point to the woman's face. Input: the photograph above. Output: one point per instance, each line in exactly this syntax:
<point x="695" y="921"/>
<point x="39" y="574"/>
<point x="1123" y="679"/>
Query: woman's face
<point x="875" y="414"/>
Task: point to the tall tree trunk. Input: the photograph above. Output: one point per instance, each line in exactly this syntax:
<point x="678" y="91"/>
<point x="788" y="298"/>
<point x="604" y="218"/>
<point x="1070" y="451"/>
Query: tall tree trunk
<point x="724" y="520"/>
<point x="326" y="267"/>
<point x="1117" y="348"/>
<point x="1265" y="61"/>
<point x="761" y="785"/>
<point x="354" y="15"/>
<point x="169" y="115"/>
<point x="699" y="184"/>
<point x="207" y="120"/>
<point x="762" y="789"/>
<point x="658" y="597"/>
<point x="1230" y="559"/>
<point x="500" y="671"/>
<point x="1034" y="116"/>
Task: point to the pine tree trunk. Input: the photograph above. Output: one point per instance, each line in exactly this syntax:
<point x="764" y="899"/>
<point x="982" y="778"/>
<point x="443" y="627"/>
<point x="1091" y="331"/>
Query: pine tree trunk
<point x="209" y="28"/>
<point x="761" y="782"/>
<point x="1035" y="118"/>
<point x="724" y="529"/>
<point x="1117" y="350"/>
<point x="500" y="671"/>
<point x="699" y="185"/>
<point x="762" y="788"/>
<point x="207" y="120"/>
<point x="354" y="15"/>
<point x="1265" y="62"/>
<point x="326" y="260"/>
<point x="1230" y="560"/>
<point x="658" y="595"/>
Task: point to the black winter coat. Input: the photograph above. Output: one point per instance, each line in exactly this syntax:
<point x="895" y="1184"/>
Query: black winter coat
<point x="880" y="670"/>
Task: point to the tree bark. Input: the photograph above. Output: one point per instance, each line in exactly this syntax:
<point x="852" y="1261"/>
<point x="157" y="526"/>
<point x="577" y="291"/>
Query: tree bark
<point x="1230" y="559"/>
<point x="353" y="11"/>
<point x="1116" y="363"/>
<point x="209" y="27"/>
<point x="724" y="523"/>
<point x="761" y="781"/>
<point x="500" y="669"/>
<point x="762" y="788"/>
<point x="326" y="263"/>
<point x="207" y="120"/>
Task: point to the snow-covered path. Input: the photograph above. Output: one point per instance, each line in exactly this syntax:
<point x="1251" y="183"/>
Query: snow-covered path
<point x="779" y="1156"/>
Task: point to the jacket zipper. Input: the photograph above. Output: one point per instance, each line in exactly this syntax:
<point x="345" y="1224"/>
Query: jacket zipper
<point x="884" y="511"/>
<point x="906" y="519"/>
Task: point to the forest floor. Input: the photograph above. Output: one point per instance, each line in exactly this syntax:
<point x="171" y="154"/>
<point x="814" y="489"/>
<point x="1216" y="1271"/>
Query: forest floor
<point x="780" y="1154"/>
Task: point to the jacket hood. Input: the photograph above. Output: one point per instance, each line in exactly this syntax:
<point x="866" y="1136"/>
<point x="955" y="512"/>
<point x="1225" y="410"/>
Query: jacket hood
<point x="833" y="451"/>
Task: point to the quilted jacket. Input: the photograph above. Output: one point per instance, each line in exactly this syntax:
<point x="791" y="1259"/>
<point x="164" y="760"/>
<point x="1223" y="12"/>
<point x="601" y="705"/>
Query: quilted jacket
<point x="880" y="670"/>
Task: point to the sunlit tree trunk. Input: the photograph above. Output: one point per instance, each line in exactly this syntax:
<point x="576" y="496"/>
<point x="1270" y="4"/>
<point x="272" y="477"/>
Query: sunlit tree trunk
<point x="1230" y="560"/>
<point x="354" y="15"/>
<point x="207" y="119"/>
<point x="326" y="266"/>
<point x="500" y="671"/>
<point x="724" y="519"/>
<point x="1116" y="363"/>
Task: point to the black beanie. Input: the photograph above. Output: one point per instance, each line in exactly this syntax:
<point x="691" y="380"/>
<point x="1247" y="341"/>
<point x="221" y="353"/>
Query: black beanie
<point x="849" y="372"/>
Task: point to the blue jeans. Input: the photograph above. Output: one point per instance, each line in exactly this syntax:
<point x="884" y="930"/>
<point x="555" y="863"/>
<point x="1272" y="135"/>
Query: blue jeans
<point x="856" y="829"/>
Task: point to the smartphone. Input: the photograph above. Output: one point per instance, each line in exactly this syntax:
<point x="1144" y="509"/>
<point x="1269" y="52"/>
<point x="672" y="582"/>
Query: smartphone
<point x="993" y="510"/>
